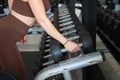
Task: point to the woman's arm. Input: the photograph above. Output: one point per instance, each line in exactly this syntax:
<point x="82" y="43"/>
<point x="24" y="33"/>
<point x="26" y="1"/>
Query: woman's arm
<point x="10" y="2"/>
<point x="38" y="9"/>
<point x="40" y="15"/>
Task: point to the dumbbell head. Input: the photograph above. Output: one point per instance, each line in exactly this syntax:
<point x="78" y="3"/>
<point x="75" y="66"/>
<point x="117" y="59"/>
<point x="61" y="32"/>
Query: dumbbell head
<point x="86" y="44"/>
<point x="55" y="50"/>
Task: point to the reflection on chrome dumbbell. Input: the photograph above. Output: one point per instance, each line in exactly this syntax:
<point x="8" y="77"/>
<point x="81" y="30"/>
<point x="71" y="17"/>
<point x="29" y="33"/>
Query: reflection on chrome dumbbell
<point x="65" y="11"/>
<point x="64" y="20"/>
<point x="61" y="10"/>
<point x="74" y="38"/>
<point x="47" y="50"/>
<point x="47" y="56"/>
<point x="48" y="37"/>
<point x="48" y="63"/>
<point x="48" y="40"/>
<point x="67" y="27"/>
<point x="47" y="45"/>
<point x="63" y="17"/>
<point x="63" y="14"/>
<point x="66" y="23"/>
<point x="69" y="32"/>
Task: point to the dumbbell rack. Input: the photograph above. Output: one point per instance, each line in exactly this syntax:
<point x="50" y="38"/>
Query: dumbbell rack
<point x="108" y="23"/>
<point x="55" y="63"/>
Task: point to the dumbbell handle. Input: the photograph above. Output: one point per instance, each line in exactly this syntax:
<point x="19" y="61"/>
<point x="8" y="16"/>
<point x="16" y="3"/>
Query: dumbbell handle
<point x="64" y="20"/>
<point x="65" y="50"/>
<point x="63" y="14"/>
<point x="65" y="23"/>
<point x="67" y="16"/>
<point x="66" y="28"/>
<point x="48" y="63"/>
<point x="63" y="10"/>
<point x="69" y="32"/>
<point x="74" y="37"/>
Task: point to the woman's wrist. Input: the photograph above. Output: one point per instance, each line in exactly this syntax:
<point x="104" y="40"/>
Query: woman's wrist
<point x="65" y="42"/>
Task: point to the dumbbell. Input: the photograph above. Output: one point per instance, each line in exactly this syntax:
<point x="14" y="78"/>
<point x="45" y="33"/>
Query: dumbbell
<point x="74" y="37"/>
<point x="67" y="28"/>
<point x="63" y="14"/>
<point x="63" y="17"/>
<point x="85" y="42"/>
<point x="42" y="45"/>
<point x="48" y="37"/>
<point x="62" y="51"/>
<point x="69" y="32"/>
<point x="66" y="23"/>
<point x="63" y="10"/>
<point x="58" y="54"/>
<point x="70" y="38"/>
<point x="48" y="63"/>
<point x="65" y="50"/>
<point x="42" y="61"/>
<point x="64" y="20"/>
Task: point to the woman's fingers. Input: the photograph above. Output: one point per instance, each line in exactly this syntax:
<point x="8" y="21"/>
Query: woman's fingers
<point x="76" y="49"/>
<point x="72" y="47"/>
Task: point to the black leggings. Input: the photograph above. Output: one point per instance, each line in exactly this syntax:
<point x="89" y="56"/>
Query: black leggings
<point x="11" y="31"/>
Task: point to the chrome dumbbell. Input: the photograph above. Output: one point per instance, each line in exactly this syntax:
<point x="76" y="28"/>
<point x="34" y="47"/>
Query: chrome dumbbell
<point x="66" y="23"/>
<point x="67" y="27"/>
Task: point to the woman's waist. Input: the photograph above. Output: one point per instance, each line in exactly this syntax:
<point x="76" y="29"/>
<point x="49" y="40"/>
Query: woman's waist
<point x="29" y="21"/>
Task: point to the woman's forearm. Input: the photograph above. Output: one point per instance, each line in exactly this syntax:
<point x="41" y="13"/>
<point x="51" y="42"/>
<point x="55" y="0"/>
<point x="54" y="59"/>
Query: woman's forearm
<point x="52" y="31"/>
<point x="38" y="9"/>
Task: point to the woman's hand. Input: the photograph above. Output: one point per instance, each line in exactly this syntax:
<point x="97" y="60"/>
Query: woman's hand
<point x="71" y="46"/>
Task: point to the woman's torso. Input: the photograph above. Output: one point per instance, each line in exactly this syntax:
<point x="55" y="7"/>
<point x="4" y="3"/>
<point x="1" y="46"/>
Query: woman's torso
<point x="21" y="10"/>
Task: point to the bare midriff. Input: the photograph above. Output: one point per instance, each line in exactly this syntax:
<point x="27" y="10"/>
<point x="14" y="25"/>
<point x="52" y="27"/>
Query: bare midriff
<point x="29" y="21"/>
